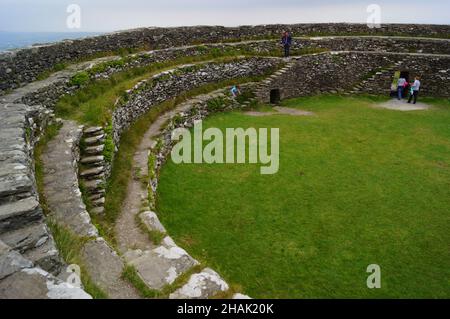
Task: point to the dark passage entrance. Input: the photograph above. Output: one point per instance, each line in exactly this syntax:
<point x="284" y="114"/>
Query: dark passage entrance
<point x="275" y="96"/>
<point x="405" y="75"/>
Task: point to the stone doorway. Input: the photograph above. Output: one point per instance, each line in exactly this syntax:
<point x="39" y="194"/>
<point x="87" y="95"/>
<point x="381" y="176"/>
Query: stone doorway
<point x="275" y="96"/>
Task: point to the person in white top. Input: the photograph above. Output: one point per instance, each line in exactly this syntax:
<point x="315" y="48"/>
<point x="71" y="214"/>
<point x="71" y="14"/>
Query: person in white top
<point x="415" y="88"/>
<point x="401" y="87"/>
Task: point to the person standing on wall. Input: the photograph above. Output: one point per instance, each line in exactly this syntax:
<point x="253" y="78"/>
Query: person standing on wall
<point x="415" y="88"/>
<point x="286" y="40"/>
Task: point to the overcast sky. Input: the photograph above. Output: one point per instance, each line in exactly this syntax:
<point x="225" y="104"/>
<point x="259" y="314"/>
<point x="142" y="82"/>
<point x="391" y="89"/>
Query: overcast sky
<point x="110" y="15"/>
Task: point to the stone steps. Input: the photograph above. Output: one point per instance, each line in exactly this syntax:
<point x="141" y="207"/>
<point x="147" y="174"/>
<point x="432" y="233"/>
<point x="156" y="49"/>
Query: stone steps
<point x="263" y="88"/>
<point x="203" y="285"/>
<point x="105" y="268"/>
<point x="36" y="244"/>
<point x="64" y="200"/>
<point x="94" y="186"/>
<point x="94" y="150"/>
<point x="18" y="214"/>
<point x="98" y="210"/>
<point x="94" y="172"/>
<point x="21" y="279"/>
<point x="29" y="260"/>
<point x="94" y="140"/>
<point x="61" y="181"/>
<point x="93" y="131"/>
<point x="161" y="266"/>
<point x="99" y="202"/>
<point x="384" y="72"/>
<point x="93" y="160"/>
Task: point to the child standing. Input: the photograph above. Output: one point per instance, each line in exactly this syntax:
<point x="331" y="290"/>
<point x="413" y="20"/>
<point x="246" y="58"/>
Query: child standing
<point x="415" y="88"/>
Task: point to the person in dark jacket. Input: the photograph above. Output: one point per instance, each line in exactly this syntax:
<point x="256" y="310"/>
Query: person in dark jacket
<point x="286" y="40"/>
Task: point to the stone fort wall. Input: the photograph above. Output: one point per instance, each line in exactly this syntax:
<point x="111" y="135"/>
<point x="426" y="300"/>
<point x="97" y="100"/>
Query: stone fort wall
<point x="359" y="72"/>
<point x="23" y="66"/>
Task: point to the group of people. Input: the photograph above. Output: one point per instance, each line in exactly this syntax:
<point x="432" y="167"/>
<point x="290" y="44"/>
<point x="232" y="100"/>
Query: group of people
<point x="414" y="88"/>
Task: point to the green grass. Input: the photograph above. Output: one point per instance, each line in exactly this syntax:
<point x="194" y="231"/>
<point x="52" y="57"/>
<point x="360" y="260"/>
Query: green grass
<point x="65" y="64"/>
<point x="117" y="185"/>
<point x="94" y="103"/>
<point x="357" y="186"/>
<point x="56" y="68"/>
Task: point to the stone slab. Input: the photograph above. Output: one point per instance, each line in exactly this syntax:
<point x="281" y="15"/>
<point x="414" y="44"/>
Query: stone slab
<point x="17" y="214"/>
<point x="161" y="266"/>
<point x="204" y="285"/>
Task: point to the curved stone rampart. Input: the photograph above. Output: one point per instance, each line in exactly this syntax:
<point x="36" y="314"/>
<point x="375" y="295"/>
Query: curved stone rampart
<point x="372" y="72"/>
<point x="169" y="84"/>
<point x="23" y="66"/>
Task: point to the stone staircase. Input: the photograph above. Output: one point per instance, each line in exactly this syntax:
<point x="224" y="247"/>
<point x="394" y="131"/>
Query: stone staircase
<point x="60" y="160"/>
<point x="22" y="223"/>
<point x="61" y="181"/>
<point x="93" y="167"/>
<point x="29" y="260"/>
<point x="262" y="90"/>
<point x="384" y="73"/>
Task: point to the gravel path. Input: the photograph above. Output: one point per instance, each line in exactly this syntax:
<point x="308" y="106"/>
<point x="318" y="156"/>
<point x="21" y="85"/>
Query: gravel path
<point x="281" y="111"/>
<point x="402" y="105"/>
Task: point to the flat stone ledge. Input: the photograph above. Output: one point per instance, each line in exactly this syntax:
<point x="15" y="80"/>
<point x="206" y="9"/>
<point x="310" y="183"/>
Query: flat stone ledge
<point x="21" y="279"/>
<point x="241" y="297"/>
<point x="35" y="283"/>
<point x="151" y="221"/>
<point x="105" y="268"/>
<point x="161" y="266"/>
<point x="17" y="214"/>
<point x="11" y="262"/>
<point x="204" y="285"/>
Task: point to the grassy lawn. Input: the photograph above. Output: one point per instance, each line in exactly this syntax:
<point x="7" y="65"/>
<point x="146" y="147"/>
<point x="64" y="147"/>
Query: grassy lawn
<point x="357" y="186"/>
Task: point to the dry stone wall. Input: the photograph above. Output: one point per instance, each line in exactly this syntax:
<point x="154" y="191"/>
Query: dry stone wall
<point x="23" y="66"/>
<point x="169" y="84"/>
<point x="339" y="72"/>
<point x="379" y="44"/>
<point x="29" y="260"/>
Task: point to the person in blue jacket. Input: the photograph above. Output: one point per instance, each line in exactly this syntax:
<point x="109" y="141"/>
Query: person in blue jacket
<point x="286" y="40"/>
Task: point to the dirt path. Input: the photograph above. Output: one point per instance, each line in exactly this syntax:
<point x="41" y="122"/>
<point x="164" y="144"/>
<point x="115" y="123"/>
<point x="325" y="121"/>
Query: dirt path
<point x="281" y="111"/>
<point x="402" y="105"/>
<point x="129" y="235"/>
